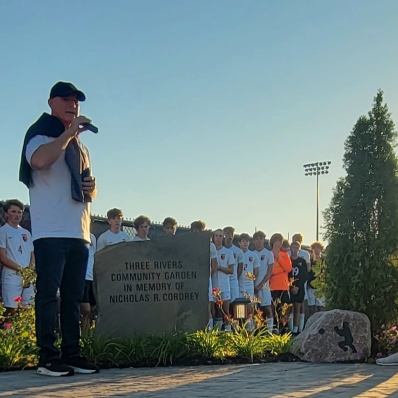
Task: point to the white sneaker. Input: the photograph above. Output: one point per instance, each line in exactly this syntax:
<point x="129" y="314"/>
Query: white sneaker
<point x="391" y="360"/>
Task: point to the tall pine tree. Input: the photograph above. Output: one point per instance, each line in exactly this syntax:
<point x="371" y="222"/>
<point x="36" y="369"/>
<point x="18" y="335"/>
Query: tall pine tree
<point x="361" y="222"/>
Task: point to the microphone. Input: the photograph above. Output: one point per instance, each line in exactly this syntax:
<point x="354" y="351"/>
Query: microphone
<point x="90" y="127"/>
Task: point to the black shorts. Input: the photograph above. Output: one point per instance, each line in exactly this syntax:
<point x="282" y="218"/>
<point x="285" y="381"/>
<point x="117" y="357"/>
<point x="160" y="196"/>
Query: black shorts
<point x="88" y="294"/>
<point x="283" y="295"/>
<point x="299" y="297"/>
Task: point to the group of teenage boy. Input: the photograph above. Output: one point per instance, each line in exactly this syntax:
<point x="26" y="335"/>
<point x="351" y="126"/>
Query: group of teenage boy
<point x="244" y="267"/>
<point x="276" y="277"/>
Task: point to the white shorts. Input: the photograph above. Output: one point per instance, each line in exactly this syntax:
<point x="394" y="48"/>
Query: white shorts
<point x="314" y="301"/>
<point x="264" y="295"/>
<point x="249" y="291"/>
<point x="234" y="291"/>
<point x="10" y="291"/>
<point x="211" y="297"/>
<point x="225" y="295"/>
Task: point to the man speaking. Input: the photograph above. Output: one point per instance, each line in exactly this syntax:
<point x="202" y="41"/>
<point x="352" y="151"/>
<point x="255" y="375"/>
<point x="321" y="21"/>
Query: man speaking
<point x="55" y="166"/>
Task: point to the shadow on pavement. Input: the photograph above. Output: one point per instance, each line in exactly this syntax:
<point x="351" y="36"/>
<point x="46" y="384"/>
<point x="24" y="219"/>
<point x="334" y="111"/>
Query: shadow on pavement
<point x="295" y="380"/>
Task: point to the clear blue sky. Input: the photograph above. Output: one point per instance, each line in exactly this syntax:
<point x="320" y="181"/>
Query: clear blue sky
<point x="207" y="109"/>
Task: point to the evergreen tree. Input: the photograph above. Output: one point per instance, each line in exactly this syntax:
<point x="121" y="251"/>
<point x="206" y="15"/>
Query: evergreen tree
<point x="362" y="222"/>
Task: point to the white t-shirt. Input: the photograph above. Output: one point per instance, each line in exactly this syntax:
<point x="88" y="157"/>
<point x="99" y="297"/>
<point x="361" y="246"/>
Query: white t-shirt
<point x="53" y="212"/>
<point x="305" y="255"/>
<point x="90" y="264"/>
<point x="266" y="258"/>
<point x="250" y="262"/>
<point x="213" y="252"/>
<point x="238" y="257"/>
<point x="213" y="255"/>
<point x="110" y="238"/>
<point x="138" y="239"/>
<point x="225" y="257"/>
<point x="19" y="247"/>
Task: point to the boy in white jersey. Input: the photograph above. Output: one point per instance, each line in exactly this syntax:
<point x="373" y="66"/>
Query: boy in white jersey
<point x="88" y="301"/>
<point x="200" y="226"/>
<point x="142" y="224"/>
<point x="263" y="274"/>
<point x="250" y="263"/>
<point x="169" y="226"/>
<point x="225" y="268"/>
<point x="16" y="253"/>
<point x="229" y="233"/>
<point x="114" y="234"/>
<point x="315" y="304"/>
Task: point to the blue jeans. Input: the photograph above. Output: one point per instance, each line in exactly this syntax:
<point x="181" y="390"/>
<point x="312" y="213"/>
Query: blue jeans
<point x="61" y="263"/>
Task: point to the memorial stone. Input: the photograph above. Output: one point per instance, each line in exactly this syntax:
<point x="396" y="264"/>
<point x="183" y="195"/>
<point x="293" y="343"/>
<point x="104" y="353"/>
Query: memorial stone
<point x="334" y="336"/>
<point x="153" y="287"/>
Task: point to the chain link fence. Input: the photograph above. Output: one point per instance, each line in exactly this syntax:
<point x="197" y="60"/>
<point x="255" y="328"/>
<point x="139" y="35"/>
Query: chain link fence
<point x="99" y="224"/>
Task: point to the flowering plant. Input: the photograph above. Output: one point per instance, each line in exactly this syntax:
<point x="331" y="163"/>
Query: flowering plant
<point x="17" y="337"/>
<point x="28" y="275"/>
<point x="18" y="343"/>
<point x="387" y="340"/>
<point x="250" y="276"/>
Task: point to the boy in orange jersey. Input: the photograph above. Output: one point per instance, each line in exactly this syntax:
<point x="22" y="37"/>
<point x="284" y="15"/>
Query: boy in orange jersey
<point x="279" y="281"/>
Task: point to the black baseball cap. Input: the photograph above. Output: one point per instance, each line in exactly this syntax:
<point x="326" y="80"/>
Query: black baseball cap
<point x="63" y="89"/>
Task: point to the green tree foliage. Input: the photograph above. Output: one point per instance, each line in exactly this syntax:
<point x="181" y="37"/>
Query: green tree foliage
<point x="362" y="221"/>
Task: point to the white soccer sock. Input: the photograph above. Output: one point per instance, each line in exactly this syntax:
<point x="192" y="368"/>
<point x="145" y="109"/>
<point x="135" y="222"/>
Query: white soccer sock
<point x="218" y="323"/>
<point x="301" y="324"/>
<point x="270" y="324"/>
<point x="250" y="324"/>
<point x="295" y="329"/>
<point x="290" y="324"/>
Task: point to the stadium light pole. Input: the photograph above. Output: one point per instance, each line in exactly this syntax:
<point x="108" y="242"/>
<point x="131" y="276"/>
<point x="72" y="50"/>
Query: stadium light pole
<point x="317" y="169"/>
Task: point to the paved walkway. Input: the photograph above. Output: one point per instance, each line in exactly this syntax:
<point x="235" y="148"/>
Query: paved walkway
<point x="293" y="380"/>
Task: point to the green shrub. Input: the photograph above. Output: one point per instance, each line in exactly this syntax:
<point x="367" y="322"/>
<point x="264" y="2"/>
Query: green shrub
<point x="278" y="344"/>
<point x="18" y="346"/>
<point x="248" y="345"/>
<point x="168" y="347"/>
<point x="133" y="351"/>
<point x="361" y="222"/>
<point x="101" y="351"/>
<point x="207" y="344"/>
<point x="387" y="340"/>
<point x="17" y="340"/>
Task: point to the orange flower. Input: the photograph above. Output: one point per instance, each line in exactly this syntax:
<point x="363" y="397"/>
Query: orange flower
<point x="291" y="281"/>
<point x="255" y="299"/>
<point x="219" y="303"/>
<point x="250" y="276"/>
<point x="8" y="325"/>
<point x="216" y="292"/>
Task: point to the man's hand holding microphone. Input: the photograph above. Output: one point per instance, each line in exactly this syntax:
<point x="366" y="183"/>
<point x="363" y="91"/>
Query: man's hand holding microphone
<point x="80" y="124"/>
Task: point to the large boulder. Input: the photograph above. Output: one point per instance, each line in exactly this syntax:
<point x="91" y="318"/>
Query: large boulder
<point x="153" y="287"/>
<point x="334" y="336"/>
